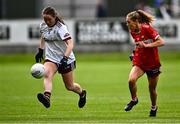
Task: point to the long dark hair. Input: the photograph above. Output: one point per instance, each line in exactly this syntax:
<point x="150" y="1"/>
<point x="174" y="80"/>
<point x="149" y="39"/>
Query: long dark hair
<point x="51" y="11"/>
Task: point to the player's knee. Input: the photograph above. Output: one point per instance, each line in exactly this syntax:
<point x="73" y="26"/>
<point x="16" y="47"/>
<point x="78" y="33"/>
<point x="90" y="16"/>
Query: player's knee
<point x="152" y="89"/>
<point x="153" y="92"/>
<point x="132" y="81"/>
<point x="47" y="72"/>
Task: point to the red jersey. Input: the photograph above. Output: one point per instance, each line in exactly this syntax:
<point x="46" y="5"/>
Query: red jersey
<point x="146" y="58"/>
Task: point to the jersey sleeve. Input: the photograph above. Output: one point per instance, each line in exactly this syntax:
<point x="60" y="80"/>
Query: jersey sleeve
<point x="41" y="27"/>
<point x="64" y="33"/>
<point x="152" y="32"/>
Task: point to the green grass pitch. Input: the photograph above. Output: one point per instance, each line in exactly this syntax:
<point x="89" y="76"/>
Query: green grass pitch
<point x="104" y="76"/>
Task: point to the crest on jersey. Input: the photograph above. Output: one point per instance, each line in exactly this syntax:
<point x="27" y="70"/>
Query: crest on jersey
<point x="66" y="35"/>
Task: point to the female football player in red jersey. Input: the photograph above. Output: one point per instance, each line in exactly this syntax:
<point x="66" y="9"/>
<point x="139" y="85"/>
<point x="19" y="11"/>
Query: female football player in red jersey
<point x="145" y="57"/>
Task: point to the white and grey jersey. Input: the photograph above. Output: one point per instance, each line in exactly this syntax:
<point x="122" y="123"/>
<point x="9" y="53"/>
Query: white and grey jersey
<point x="55" y="46"/>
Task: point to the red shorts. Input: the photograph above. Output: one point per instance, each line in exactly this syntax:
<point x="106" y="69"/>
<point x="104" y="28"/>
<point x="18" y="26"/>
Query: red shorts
<point x="151" y="72"/>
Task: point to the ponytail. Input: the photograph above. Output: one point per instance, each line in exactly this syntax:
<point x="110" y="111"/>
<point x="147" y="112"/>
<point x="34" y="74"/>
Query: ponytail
<point x="141" y="16"/>
<point x="145" y="17"/>
<point x="60" y="19"/>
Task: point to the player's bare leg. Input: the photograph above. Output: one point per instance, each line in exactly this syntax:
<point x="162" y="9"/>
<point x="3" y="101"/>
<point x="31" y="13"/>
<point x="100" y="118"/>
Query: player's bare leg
<point x="50" y="70"/>
<point x="75" y="87"/>
<point x="153" y="94"/>
<point x="135" y="73"/>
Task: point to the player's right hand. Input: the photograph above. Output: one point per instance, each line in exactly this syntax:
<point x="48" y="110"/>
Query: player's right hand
<point x="39" y="55"/>
<point x="131" y="57"/>
<point x="63" y="61"/>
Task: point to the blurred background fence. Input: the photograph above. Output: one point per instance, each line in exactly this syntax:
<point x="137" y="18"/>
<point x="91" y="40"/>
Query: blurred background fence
<point x="95" y="25"/>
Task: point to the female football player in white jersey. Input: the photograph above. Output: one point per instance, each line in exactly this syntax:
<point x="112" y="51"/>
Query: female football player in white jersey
<point x="57" y="43"/>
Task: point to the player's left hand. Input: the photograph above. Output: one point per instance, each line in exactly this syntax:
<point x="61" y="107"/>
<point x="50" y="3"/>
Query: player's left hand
<point x="63" y="61"/>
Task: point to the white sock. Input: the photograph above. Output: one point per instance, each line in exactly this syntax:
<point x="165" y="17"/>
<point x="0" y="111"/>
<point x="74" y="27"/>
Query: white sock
<point x="153" y="108"/>
<point x="135" y="99"/>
